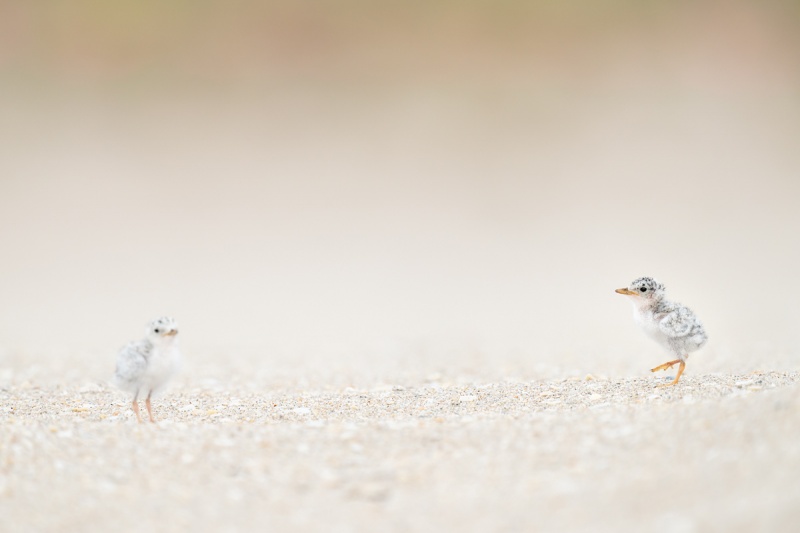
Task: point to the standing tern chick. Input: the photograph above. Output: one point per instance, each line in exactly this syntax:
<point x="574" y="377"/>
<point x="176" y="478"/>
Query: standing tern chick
<point x="672" y="325"/>
<point x="144" y="367"/>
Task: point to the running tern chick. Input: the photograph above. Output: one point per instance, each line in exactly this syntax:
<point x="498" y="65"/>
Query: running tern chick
<point x="144" y="367"/>
<point x="672" y="325"/>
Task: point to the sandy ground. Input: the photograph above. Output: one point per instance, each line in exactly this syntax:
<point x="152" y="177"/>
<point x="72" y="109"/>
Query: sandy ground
<point x="442" y="453"/>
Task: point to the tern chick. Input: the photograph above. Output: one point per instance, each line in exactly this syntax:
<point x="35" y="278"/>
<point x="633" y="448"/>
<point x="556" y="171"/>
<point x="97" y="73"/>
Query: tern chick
<point x="144" y="367"/>
<point x="672" y="325"/>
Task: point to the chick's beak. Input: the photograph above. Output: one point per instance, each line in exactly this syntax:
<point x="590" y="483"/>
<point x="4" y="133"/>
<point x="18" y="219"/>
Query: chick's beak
<point x="171" y="333"/>
<point x="625" y="291"/>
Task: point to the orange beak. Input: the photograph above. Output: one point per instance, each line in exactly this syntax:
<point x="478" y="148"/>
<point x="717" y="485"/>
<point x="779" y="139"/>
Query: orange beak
<point x="626" y="291"/>
<point x="171" y="333"/>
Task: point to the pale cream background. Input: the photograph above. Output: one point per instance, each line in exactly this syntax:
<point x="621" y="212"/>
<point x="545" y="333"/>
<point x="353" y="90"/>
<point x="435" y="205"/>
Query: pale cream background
<point x="290" y="180"/>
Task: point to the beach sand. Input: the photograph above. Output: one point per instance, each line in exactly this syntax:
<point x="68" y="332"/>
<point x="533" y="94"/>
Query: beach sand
<point x="718" y="452"/>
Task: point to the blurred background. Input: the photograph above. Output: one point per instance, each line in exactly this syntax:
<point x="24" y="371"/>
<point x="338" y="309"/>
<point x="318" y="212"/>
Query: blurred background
<point x="404" y="185"/>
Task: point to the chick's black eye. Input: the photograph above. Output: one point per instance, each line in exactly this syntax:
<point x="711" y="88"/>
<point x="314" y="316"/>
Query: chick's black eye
<point x="643" y="289"/>
<point x="157" y="330"/>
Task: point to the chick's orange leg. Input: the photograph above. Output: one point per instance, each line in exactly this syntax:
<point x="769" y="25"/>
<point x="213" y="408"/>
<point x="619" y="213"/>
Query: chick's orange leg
<point x="136" y="410"/>
<point x="677" y="377"/>
<point x="666" y="366"/>
<point x="149" y="409"/>
<point x="680" y="371"/>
